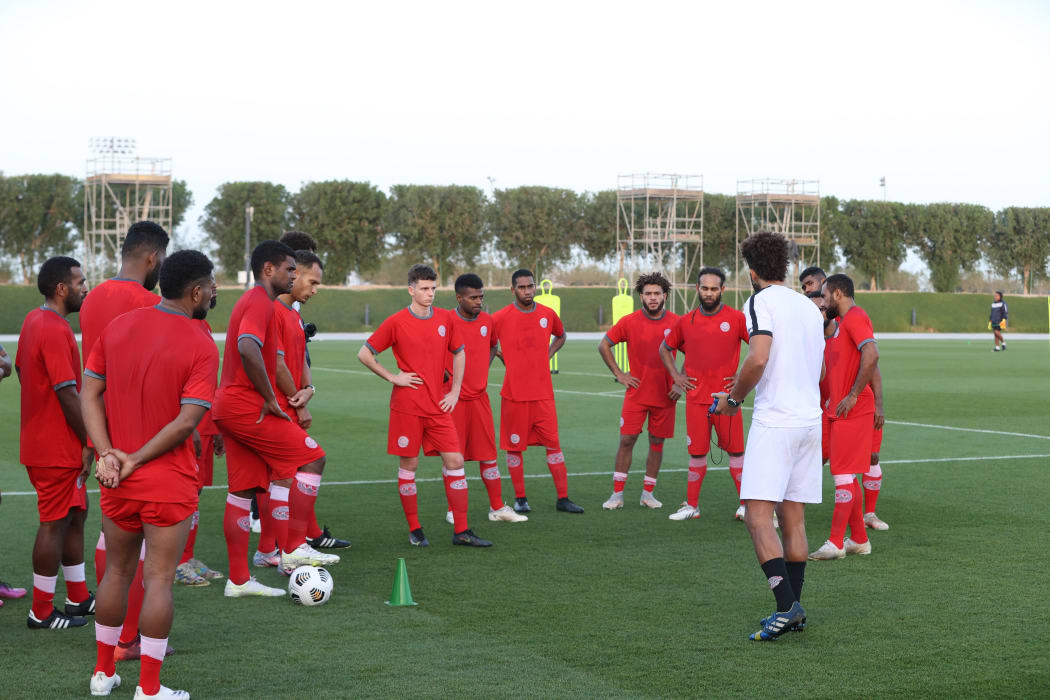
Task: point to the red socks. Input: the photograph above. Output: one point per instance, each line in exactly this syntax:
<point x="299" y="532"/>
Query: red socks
<point x="135" y="595"/>
<point x="697" y="472"/>
<point x="152" y="659"/>
<point x="847" y="498"/>
<point x="303" y="497"/>
<point x="267" y="533"/>
<point x="736" y="469"/>
<point x="490" y="477"/>
<point x="236" y="526"/>
<point x="106" y="639"/>
<point x="516" y="467"/>
<point x="191" y="540"/>
<point x="556" y="464"/>
<point x="619" y="481"/>
<point x="43" y="595"/>
<point x="857" y="531"/>
<point x="872" y="481"/>
<point x="100" y="558"/>
<point x="649" y="484"/>
<point x="279" y="514"/>
<point x="456" y="492"/>
<point x="406" y="486"/>
<point x="76" y="585"/>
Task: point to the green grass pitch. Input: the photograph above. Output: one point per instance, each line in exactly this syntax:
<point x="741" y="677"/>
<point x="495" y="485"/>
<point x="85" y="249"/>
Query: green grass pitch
<point x="952" y="602"/>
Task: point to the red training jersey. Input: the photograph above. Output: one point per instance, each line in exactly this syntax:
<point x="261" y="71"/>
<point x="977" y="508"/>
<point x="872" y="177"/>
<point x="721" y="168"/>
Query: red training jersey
<point x="107" y="301"/>
<point x="47" y="360"/>
<point x="524" y="337"/>
<point x="291" y="345"/>
<point x="158" y="360"/>
<point x="711" y="344"/>
<point x="643" y="336"/>
<point x="252" y="318"/>
<point x="478" y="339"/>
<point x="207" y="425"/>
<point x="420" y="345"/>
<point x="842" y="362"/>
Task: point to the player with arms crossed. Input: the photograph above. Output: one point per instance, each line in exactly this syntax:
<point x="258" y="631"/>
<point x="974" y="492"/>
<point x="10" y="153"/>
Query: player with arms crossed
<point x="420" y="411"/>
<point x="148" y="382"/>
<point x="851" y="356"/>
<point x="473" y="413"/>
<point x="264" y="448"/>
<point x="782" y="460"/>
<point x="528" y="415"/>
<point x="710" y="337"/>
<point x="52" y="444"/>
<point x="649" y="386"/>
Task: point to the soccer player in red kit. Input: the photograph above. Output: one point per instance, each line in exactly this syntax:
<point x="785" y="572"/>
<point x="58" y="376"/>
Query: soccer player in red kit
<point x="52" y="444"/>
<point x="265" y="449"/>
<point x="528" y="415"/>
<point x="141" y="255"/>
<point x="851" y="356"/>
<point x="649" y="386"/>
<point x="473" y="413"/>
<point x="420" y="410"/>
<point x="149" y="380"/>
<point x="710" y="337"/>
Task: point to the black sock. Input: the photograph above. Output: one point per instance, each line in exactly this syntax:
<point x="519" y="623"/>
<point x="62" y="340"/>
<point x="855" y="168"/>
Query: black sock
<point x="776" y="572"/>
<point x="796" y="575"/>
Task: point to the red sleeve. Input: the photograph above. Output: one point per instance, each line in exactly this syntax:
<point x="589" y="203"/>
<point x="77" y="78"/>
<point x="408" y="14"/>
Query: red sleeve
<point x="281" y="328"/>
<point x="96" y="364"/>
<point x="618" y="333"/>
<point x="199" y="388"/>
<point x="859" y="328"/>
<point x="493" y="335"/>
<point x="557" y="329"/>
<point x="673" y="339"/>
<point x="383" y="337"/>
<point x="254" y="321"/>
<point x="55" y="351"/>
<point x="455" y="334"/>
<point x="742" y="323"/>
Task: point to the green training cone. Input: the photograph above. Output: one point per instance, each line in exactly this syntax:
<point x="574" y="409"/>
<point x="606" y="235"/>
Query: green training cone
<point x="401" y="595"/>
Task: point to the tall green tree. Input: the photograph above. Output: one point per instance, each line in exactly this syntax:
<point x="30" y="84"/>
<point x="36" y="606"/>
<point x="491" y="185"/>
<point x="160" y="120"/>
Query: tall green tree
<point x="438" y="224"/>
<point x="872" y="234"/>
<point x="535" y="227"/>
<point x="597" y="231"/>
<point x="948" y="238"/>
<point x="223" y="218"/>
<point x="37" y="216"/>
<point x="347" y="219"/>
<point x="1020" y="244"/>
<point x="720" y="231"/>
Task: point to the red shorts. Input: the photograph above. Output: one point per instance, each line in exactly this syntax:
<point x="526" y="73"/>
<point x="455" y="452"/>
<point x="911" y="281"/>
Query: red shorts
<point x="633" y="417"/>
<point x="408" y="433"/>
<point x="849" y="446"/>
<point x="258" y="453"/>
<point x="698" y="423"/>
<point x="58" y="491"/>
<point x="876" y="441"/>
<point x="825" y="437"/>
<point x="130" y="515"/>
<point x="476" y="431"/>
<point x="206" y="462"/>
<point x="524" y="423"/>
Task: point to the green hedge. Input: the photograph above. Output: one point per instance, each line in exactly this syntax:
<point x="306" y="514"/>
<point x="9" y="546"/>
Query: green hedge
<point x="342" y="310"/>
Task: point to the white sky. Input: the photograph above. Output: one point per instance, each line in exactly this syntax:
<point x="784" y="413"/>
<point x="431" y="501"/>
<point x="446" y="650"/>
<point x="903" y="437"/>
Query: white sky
<point x="948" y="100"/>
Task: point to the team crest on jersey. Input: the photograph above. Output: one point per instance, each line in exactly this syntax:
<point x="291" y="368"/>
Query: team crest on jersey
<point x="724" y="326"/>
<point x="245" y="523"/>
<point x="402" y="441"/>
<point x="310" y="442"/>
<point x="667" y="332"/>
<point x="543" y="323"/>
<point x="484" y="331"/>
<point x="774" y="581"/>
<point x="515" y="438"/>
<point x="441" y="330"/>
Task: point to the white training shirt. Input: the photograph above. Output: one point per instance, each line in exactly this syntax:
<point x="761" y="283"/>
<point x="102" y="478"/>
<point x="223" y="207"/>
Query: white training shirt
<point x="788" y="394"/>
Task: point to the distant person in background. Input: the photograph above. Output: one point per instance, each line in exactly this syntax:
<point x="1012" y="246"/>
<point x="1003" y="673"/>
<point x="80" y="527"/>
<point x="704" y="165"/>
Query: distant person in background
<point x="998" y="320"/>
<point x="6" y="589"/>
<point x="811" y="280"/>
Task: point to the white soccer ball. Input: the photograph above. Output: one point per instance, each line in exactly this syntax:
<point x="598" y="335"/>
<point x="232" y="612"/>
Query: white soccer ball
<point x="310" y="585"/>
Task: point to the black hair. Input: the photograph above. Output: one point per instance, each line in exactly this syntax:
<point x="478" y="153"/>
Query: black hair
<point x="812" y="270"/>
<point x="271" y="252"/>
<point x="298" y="240"/>
<point x="840" y="282"/>
<point x="180" y="270"/>
<point x="1000" y="293"/>
<point x="421" y="272"/>
<point x="815" y="294"/>
<point x="145" y="237"/>
<point x="767" y="254"/>
<point x="711" y="271"/>
<point x="651" y="279"/>
<point x="307" y="258"/>
<point x="468" y="281"/>
<point x="520" y="273"/>
<point x="53" y="272"/>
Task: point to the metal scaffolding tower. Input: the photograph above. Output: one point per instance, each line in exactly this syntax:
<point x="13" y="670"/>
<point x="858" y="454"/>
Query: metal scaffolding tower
<point x="660" y="225"/>
<point x="120" y="188"/>
<point x="790" y="207"/>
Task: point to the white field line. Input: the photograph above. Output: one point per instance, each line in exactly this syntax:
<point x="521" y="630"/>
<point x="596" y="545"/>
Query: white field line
<point x="619" y="393"/>
<point x="369" y="482"/>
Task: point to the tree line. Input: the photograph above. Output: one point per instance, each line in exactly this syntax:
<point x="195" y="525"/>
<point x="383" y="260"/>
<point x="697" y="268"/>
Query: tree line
<point x="451" y="226"/>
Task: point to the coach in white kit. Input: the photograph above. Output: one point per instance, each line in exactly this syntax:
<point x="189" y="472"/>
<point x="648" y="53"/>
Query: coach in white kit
<point x="782" y="459"/>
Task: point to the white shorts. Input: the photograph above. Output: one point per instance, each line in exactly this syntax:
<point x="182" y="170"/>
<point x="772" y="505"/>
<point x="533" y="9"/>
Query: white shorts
<point x="782" y="464"/>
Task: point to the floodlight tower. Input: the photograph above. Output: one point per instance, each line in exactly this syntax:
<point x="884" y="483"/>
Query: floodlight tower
<point x="789" y="207"/>
<point x="120" y="188"/>
<point x="660" y="225"/>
